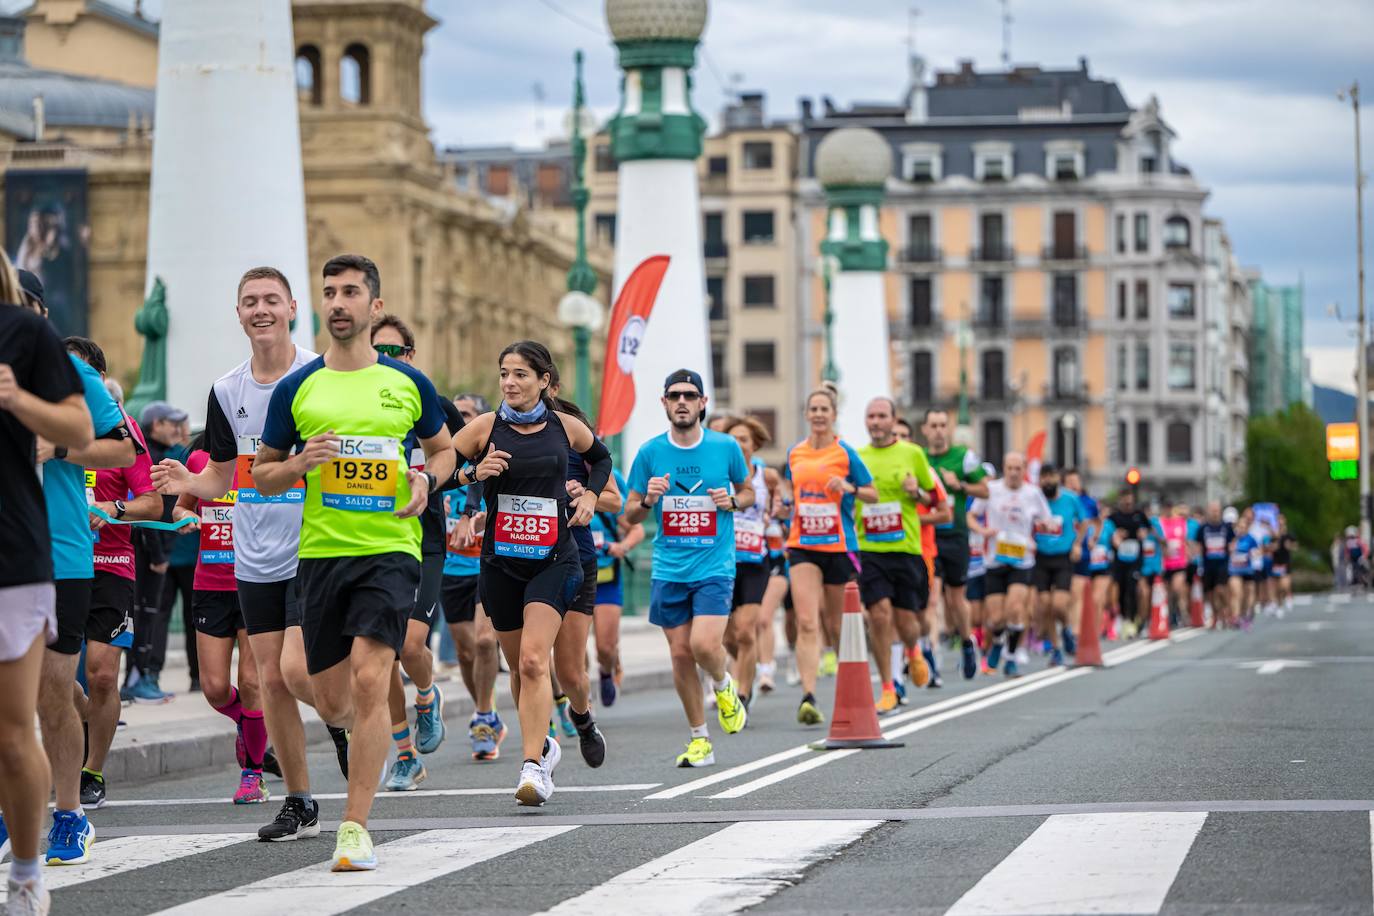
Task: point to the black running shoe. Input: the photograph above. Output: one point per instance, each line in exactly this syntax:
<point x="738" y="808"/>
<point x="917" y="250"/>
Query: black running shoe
<point x="92" y="790"/>
<point x="340" y="737"/>
<point x="270" y="764"/>
<point x="593" y="745"/>
<point x="293" y="822"/>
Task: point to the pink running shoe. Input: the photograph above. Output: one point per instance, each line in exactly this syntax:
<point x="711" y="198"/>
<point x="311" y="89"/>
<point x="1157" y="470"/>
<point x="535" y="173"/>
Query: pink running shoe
<point x="252" y="790"/>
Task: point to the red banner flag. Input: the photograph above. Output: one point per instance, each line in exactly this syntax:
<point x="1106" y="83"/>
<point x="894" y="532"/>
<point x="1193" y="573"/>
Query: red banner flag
<point x="629" y="318"/>
<point x="1035" y="452"/>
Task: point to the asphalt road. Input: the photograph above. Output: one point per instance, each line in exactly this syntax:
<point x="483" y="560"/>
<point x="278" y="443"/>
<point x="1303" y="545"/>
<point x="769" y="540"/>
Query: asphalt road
<point x="1219" y="773"/>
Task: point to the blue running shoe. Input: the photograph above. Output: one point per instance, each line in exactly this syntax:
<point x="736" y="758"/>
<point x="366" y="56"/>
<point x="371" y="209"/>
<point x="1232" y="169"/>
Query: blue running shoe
<point x="1046" y="647"/>
<point x="609" y="691"/>
<point x="429" y="725"/>
<point x="69" y="841"/>
<point x="929" y="655"/>
<point x="486" y="732"/>
<point x="899" y="687"/>
<point x="1056" y="659"/>
<point x="565" y="718"/>
<point x="406" y="774"/>
<point x="146" y="691"/>
<point x="4" y="838"/>
<point x="1070" y="643"/>
<point x="1011" y="669"/>
<point x="970" y="660"/>
<point x="994" y="655"/>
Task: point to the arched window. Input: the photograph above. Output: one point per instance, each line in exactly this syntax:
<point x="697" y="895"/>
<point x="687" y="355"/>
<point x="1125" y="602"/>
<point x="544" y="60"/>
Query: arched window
<point x="308" y="74"/>
<point x="355" y="75"/>
<point x="1178" y="232"/>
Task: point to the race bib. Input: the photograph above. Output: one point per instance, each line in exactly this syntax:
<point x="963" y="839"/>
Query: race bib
<point x="773" y="534"/>
<point x="689" y="521"/>
<point x="598" y="539"/>
<point x="526" y="526"/>
<point x="975" y="545"/>
<point x="1216" y="545"/>
<point x="1012" y="549"/>
<point x="363" y="477"/>
<point x="1128" y="550"/>
<point x="1257" y="559"/>
<point x="883" y="522"/>
<point x="1239" y="559"/>
<point x="216" y="534"/>
<point x="1150" y="548"/>
<point x="1099" y="555"/>
<point x="243" y="477"/>
<point x="90" y="488"/>
<point x="749" y="540"/>
<point x="820" y="523"/>
<point x="1052" y="526"/>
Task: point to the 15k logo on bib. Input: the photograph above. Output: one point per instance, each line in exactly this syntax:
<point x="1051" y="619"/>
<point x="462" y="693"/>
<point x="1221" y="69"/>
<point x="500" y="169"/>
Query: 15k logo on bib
<point x="216" y="534"/>
<point x="363" y="477"/>
<point x="689" y="521"/>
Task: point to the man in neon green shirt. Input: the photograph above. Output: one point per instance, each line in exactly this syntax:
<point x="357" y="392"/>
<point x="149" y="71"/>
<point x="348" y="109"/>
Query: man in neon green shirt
<point x="354" y="416"/>
<point x="892" y="573"/>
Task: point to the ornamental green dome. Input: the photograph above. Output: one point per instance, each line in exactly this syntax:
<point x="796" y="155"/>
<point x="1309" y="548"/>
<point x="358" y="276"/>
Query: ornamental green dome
<point x="853" y="157"/>
<point x="656" y="20"/>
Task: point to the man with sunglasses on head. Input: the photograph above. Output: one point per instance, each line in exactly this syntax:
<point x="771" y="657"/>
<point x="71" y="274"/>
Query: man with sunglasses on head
<point x="695" y="479"/>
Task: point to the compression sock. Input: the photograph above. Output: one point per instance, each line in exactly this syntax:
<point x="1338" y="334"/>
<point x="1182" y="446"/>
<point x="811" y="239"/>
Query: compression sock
<point x="233" y="709"/>
<point x="1014" y="638"/>
<point x="400" y="733"/>
<point x="254" y="737"/>
<point x="581" y="719"/>
<point x="424" y="699"/>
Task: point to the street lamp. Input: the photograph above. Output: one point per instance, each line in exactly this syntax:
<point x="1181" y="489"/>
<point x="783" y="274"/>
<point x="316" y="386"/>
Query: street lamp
<point x="577" y="309"/>
<point x="1361" y="356"/>
<point x="1070" y="423"/>
<point x="585" y="316"/>
<point x="829" y="266"/>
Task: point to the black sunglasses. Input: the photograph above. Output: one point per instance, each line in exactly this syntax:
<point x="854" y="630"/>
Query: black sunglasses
<point x="688" y="396"/>
<point x="395" y="351"/>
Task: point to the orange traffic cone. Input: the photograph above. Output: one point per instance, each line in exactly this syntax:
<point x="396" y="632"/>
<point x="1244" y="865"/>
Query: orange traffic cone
<point x="1195" y="612"/>
<point x="1159" y="611"/>
<point x="1089" y="633"/>
<point x="854" y="722"/>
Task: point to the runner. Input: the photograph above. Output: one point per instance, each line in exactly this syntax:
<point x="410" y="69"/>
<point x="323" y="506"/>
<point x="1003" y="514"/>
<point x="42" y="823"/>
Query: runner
<point x="901" y="429"/>
<point x="112" y="590"/>
<point x="613" y="539"/>
<point x="1176" y="531"/>
<point x="531" y="570"/>
<point x="1014" y="511"/>
<point x="963" y="475"/>
<point x="1131" y="525"/>
<point x="1214" y="538"/>
<point x="40" y="395"/>
<point x="1241" y="568"/>
<point x="687" y="475"/>
<point x="1284" y="545"/>
<point x="393" y="338"/>
<point x="1057" y="551"/>
<point x="267" y="534"/>
<point x="1151" y="570"/>
<point x="892" y="570"/>
<point x="751" y="555"/>
<point x="776" y="595"/>
<point x="220" y="627"/>
<point x="473" y="636"/>
<point x="975" y="590"/>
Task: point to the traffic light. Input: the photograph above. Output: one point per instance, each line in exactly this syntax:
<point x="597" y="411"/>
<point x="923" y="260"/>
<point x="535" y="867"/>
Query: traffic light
<point x="1133" y="477"/>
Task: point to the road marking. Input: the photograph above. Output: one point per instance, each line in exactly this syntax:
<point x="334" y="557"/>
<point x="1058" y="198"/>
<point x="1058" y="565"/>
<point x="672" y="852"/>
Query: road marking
<point x="1274" y="665"/>
<point x="122" y="854"/>
<point x="405" y="863"/>
<point x="1317" y="626"/>
<point x="1302" y="600"/>
<point x="1131" y="862"/>
<point x="336" y="796"/>
<point x="1340" y="598"/>
<point x="909" y="728"/>
<point x="728" y="871"/>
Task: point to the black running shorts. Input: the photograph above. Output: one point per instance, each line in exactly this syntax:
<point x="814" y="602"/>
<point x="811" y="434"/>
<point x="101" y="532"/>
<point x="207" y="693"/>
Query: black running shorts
<point x="1000" y="578"/>
<point x="899" y="577"/>
<point x="1053" y="572"/>
<point x="951" y="556"/>
<point x="216" y="613"/>
<point x="348" y="597"/>
<point x="836" y="568"/>
<point x="504" y="594"/>
<point x="269" y="607"/>
<point x="585" y="602"/>
<point x="73" y="610"/>
<point x="459" y="596"/>
<point x="751" y="581"/>
<point x="112" y="607"/>
<point x="431" y="584"/>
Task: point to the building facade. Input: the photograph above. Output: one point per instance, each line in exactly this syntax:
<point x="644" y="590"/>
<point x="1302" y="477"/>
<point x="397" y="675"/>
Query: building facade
<point x="1278" y="370"/>
<point x="1227" y="307"/>
<point x="467" y="275"/>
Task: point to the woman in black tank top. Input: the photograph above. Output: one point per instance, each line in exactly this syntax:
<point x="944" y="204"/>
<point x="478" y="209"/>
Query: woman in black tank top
<point x="529" y="570"/>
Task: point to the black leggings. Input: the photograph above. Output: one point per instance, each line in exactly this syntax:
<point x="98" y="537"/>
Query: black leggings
<point x="1127" y="577"/>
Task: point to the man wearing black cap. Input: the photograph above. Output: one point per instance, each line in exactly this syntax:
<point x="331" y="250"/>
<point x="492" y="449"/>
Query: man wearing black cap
<point x="695" y="478"/>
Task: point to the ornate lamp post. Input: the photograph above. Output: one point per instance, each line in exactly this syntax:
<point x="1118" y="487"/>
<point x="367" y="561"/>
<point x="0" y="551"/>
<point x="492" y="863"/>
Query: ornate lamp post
<point x="577" y="309"/>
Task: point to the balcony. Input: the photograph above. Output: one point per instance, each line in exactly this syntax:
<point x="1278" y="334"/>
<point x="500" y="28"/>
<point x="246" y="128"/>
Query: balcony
<point x="1064" y="254"/>
<point x="992" y="253"/>
<point x="715" y="250"/>
<point x="1069" y="395"/>
<point x="990" y="319"/>
<point x="920" y="255"/>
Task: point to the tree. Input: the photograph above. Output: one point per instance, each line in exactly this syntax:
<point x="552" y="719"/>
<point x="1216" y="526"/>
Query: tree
<point x="1286" y="464"/>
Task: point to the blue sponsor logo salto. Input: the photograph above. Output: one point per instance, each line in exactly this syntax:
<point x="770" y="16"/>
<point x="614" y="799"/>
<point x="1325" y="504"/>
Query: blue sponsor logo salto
<point x="521" y="551"/>
<point x="810" y="539"/>
<point x="689" y="541"/>
<point x="294" y="495"/>
<point x="216" y="556"/>
<point x="358" y="503"/>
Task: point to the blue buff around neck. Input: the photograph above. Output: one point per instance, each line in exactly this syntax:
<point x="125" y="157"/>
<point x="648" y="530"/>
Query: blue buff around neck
<point x="511" y="415"/>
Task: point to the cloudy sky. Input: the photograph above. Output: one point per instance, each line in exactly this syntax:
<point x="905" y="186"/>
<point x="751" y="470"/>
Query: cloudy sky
<point x="1249" y="85"/>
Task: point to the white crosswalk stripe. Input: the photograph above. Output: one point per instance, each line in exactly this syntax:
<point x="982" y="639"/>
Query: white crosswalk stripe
<point x="404" y="863"/>
<point x="121" y="854"/>
<point x="726" y="872"/>
<point x="1135" y="859"/>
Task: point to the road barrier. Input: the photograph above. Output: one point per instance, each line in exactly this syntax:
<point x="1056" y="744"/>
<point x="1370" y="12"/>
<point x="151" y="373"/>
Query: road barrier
<point x="854" y="722"/>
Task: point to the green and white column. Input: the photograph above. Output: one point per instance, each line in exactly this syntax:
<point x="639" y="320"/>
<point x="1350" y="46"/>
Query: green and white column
<point x="853" y="164"/>
<point x="656" y="137"/>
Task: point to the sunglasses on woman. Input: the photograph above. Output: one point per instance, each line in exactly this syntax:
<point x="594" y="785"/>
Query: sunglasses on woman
<point x="395" y="351"/>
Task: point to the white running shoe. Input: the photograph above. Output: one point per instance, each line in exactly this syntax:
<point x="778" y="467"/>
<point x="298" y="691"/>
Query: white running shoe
<point x="550" y="760"/>
<point x="534" y="787"/>
<point x="30" y="898"/>
<point x="1022" y="656"/>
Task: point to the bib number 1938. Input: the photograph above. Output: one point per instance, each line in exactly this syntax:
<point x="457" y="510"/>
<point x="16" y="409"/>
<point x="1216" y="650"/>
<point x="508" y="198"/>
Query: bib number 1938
<point x="363" y="477"/>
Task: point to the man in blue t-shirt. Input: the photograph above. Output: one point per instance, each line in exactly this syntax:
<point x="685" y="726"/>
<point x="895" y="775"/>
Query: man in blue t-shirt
<point x="1057" y="549"/>
<point x="693" y="479"/>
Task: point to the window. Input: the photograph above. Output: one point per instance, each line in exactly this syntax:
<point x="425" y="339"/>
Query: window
<point x="604" y="228"/>
<point x="1119" y="446"/>
<point x="991" y="161"/>
<point x="1064" y="167"/>
<point x="715" y="290"/>
<point x="994" y="441"/>
<point x="921" y="170"/>
<point x="1142" y="300"/>
<point x="1122" y="300"/>
<point x="718" y="166"/>
<point x="1182" y="367"/>
<point x="1178" y="232"/>
<point x="921" y="163"/>
<point x="1065" y="246"/>
<point x="1121" y="233"/>
<point x="994" y="375"/>
<point x="1063" y="160"/>
<point x="991" y="311"/>
<point x="498" y="180"/>
<point x="1065" y="300"/>
<point x="991" y="236"/>
<point x="1181" y="300"/>
<point x="760" y="358"/>
<point x="308" y="68"/>
<point x="769" y="418"/>
<point x="1142" y="367"/>
<point x="1065" y="372"/>
<point x="1123" y="372"/>
<point x="922" y="378"/>
<point x="355" y="75"/>
<point x="758" y="291"/>
<point x="1148" y="164"/>
<point x="1066" y="443"/>
<point x="548" y="181"/>
<point x="1178" y="443"/>
<point x="713" y="234"/>
<point x="1142" y="442"/>
<point x="722" y="383"/>
<point x="1142" y="232"/>
<point x="758" y="227"/>
<point x="919" y="238"/>
<point x="604" y="159"/>
<point x="922" y="310"/>
<point x="758" y="155"/>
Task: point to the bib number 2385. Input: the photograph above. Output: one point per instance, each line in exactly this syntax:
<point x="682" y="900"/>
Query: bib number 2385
<point x="363" y="477"/>
<point x="526" y="526"/>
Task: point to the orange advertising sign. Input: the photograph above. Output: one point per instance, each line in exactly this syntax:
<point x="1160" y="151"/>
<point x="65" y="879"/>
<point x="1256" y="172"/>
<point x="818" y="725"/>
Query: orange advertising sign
<point x="1342" y="442"/>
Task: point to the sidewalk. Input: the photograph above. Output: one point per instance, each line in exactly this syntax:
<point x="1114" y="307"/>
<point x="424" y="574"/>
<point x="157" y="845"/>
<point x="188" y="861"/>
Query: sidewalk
<point x="186" y="734"/>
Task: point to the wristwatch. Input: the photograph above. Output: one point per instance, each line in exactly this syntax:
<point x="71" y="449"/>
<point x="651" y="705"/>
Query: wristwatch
<point x="734" y="505"/>
<point x="645" y="504"/>
<point x="120" y="508"/>
<point x="59" y="452"/>
<point x="433" y="482"/>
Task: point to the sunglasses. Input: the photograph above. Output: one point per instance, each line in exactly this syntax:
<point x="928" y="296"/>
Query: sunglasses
<point x="395" y="351"/>
<point x="688" y="396"/>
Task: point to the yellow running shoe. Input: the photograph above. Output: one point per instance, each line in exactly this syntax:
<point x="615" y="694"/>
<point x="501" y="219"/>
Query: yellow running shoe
<point x="730" y="710"/>
<point x="888" y="701"/>
<point x="808" y="714"/>
<point x="353" y="849"/>
<point x="917" y="667"/>
<point x="830" y="663"/>
<point x="698" y="754"/>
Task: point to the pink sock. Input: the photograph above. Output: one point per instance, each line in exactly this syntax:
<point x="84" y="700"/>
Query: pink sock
<point x="233" y="709"/>
<point x="254" y="737"/>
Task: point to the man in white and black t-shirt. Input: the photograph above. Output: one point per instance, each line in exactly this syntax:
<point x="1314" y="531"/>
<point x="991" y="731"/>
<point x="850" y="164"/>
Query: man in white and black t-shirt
<point x="41" y="394"/>
<point x="266" y="534"/>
